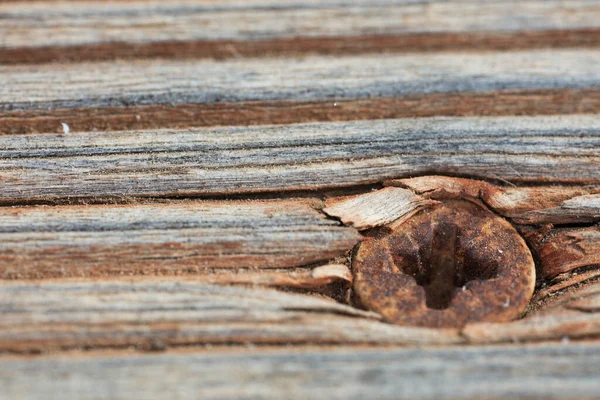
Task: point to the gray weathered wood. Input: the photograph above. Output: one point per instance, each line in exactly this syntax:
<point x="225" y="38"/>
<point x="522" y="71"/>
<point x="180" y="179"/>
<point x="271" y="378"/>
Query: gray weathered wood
<point x="129" y="83"/>
<point x="542" y="371"/>
<point x="220" y="161"/>
<point x="35" y="24"/>
<point x="120" y="313"/>
<point x="175" y="238"/>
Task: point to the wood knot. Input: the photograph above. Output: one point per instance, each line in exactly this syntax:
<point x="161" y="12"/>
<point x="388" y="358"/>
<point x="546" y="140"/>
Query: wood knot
<point x="447" y="265"/>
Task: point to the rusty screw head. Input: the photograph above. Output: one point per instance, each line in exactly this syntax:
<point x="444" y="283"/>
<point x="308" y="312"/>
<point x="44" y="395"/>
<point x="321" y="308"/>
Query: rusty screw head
<point x="444" y="267"/>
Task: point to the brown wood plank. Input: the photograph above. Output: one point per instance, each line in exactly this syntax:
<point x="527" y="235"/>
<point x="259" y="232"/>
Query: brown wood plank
<point x="177" y="238"/>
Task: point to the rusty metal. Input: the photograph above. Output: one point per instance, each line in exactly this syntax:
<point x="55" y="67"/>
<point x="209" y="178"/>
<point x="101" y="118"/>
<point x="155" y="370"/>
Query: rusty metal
<point x="445" y="267"/>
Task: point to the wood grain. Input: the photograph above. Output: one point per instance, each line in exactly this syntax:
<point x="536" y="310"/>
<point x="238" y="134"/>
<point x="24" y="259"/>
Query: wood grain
<point x="571" y="314"/>
<point x="565" y="249"/>
<point x="224" y="161"/>
<point x="493" y="372"/>
<point x="143" y="313"/>
<point x="177" y="238"/>
<point x="45" y="31"/>
<point x="33" y="24"/>
<point x="175" y="82"/>
<point x="195" y="92"/>
<point x="376" y="208"/>
<point x="523" y="205"/>
<point x="498" y="103"/>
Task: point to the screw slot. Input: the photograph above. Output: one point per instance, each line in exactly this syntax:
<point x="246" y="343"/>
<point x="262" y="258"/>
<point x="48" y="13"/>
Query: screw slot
<point x="446" y="266"/>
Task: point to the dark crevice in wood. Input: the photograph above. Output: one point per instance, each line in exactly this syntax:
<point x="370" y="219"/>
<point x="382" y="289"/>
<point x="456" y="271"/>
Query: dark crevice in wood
<point x="498" y="103"/>
<point x="296" y="46"/>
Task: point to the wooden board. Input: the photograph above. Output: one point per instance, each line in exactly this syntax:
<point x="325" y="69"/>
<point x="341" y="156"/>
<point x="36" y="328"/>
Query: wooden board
<point x="225" y="161"/>
<point x="547" y="371"/>
<point x="173" y="93"/>
<point x="181" y="175"/>
<point x="47" y="31"/>
<point x="175" y="238"/>
<point x="144" y="313"/>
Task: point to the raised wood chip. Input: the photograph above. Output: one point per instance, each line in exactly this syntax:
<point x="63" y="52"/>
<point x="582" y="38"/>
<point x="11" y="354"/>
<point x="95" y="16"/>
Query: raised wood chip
<point x="376" y="208"/>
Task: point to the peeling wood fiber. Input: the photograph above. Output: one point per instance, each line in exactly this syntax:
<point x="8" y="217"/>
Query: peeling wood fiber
<point x="563" y="250"/>
<point x="377" y="208"/>
<point x="523" y="205"/>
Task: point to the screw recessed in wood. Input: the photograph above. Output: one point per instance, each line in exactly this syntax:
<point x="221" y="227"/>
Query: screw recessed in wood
<point x="445" y="267"/>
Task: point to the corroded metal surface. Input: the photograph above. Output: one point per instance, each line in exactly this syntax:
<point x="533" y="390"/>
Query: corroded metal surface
<point x="447" y="266"/>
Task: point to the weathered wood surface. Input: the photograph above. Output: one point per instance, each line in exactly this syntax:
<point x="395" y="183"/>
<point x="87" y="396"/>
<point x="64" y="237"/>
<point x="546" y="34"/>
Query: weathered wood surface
<point x="376" y="208"/>
<point x="171" y="93"/>
<point x="341" y="60"/>
<point x="151" y="312"/>
<point x="148" y="313"/>
<point x="82" y="30"/>
<point x="541" y="371"/>
<point x="176" y="238"/>
<point x="316" y="279"/>
<point x="223" y="161"/>
<point x="38" y="24"/>
<point x="523" y="205"/>
<point x="311" y="78"/>
<point x="571" y="314"/>
<point x="562" y="250"/>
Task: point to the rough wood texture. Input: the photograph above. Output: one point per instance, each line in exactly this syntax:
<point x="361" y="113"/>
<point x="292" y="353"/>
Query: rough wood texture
<point x="490" y="372"/>
<point x="505" y="102"/>
<point x="570" y="315"/>
<point x="377" y="208"/>
<point x="64" y="314"/>
<point x="299" y="278"/>
<point x="523" y="205"/>
<point x="241" y="92"/>
<point x="566" y="281"/>
<point x="41" y="24"/>
<point x="215" y="63"/>
<point x="46" y="31"/>
<point x="222" y="161"/>
<point x="563" y="250"/>
<point x="328" y="279"/>
<point x="178" y="238"/>
<point x="310" y="78"/>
